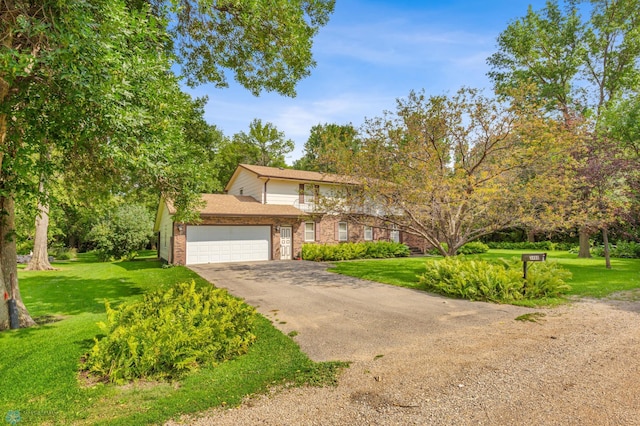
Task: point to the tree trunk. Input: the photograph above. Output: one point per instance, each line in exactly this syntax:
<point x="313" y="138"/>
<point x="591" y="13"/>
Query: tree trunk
<point x="9" y="266"/>
<point x="605" y="240"/>
<point x="40" y="259"/>
<point x="585" y="251"/>
<point x="531" y="236"/>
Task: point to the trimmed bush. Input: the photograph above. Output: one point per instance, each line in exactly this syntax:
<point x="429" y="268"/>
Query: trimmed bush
<point x="474" y="247"/>
<point x="170" y="333"/>
<point x="349" y="251"/>
<point x="525" y="245"/>
<point x="494" y="281"/>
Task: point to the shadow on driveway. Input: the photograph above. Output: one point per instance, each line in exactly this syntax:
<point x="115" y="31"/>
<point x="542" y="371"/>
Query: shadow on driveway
<point x="344" y="318"/>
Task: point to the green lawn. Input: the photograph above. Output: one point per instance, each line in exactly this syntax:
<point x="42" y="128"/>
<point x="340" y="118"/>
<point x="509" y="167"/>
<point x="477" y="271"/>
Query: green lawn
<point x="590" y="277"/>
<point x="39" y="366"/>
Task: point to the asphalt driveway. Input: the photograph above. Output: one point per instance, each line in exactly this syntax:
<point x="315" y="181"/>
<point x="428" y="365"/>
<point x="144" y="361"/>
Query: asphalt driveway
<point x="343" y="318"/>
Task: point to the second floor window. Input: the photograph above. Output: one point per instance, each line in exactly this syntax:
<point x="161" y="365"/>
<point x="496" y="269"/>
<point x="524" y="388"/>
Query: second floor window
<point x="308" y="193"/>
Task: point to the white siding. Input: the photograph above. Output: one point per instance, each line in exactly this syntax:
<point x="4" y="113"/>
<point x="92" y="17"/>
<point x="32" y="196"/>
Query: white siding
<point x="282" y="192"/>
<point x="166" y="230"/>
<point x="249" y="183"/>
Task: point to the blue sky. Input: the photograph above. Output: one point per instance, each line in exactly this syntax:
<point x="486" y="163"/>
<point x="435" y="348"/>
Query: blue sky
<point x="370" y="54"/>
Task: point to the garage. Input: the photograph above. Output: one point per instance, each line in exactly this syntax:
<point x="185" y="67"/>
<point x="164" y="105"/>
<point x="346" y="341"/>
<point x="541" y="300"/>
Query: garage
<point x="224" y="243"/>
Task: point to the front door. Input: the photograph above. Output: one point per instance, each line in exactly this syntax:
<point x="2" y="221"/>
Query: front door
<point x="285" y="243"/>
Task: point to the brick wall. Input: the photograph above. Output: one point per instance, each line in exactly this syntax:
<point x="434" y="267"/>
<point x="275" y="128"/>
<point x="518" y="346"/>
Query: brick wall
<point x="179" y="246"/>
<point x="326" y="233"/>
<point x="180" y="242"/>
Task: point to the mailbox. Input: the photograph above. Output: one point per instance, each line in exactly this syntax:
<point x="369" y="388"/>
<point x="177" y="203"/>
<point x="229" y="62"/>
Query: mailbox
<point x="532" y="257"/>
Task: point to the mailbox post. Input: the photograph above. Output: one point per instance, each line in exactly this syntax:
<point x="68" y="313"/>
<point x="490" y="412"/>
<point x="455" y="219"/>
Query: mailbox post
<point x="531" y="257"/>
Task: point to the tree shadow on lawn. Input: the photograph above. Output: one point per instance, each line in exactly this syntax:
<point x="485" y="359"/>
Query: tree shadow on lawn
<point x="61" y="294"/>
<point x="139" y="264"/>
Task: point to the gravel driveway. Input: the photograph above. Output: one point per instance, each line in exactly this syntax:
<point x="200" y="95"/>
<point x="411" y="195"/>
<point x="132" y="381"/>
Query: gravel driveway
<point x="422" y="359"/>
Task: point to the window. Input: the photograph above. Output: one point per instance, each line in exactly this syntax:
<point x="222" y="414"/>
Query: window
<point x="394" y="234"/>
<point x="343" y="234"/>
<point x="309" y="231"/>
<point x="368" y="233"/>
<point x="308" y="193"/>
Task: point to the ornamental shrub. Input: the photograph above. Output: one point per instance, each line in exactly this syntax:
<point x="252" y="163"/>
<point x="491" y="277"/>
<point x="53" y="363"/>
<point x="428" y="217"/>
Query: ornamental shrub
<point x="524" y="245"/>
<point x="474" y="247"/>
<point x="169" y="333"/>
<point x="349" y="251"/>
<point x="499" y="281"/>
<point x="622" y="249"/>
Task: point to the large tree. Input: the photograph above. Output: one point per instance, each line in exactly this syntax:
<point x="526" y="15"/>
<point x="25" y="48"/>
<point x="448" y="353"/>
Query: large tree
<point x="323" y="140"/>
<point x="451" y="169"/>
<point x="580" y="67"/>
<point x="263" y="145"/>
<point x="94" y="48"/>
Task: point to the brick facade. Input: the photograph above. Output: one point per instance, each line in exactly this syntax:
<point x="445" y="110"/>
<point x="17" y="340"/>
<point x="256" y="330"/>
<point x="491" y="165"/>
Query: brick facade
<point x="326" y="232"/>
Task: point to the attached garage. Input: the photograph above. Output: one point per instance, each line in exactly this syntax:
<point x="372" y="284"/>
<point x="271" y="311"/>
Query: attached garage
<point x="232" y="228"/>
<point x="227" y="243"/>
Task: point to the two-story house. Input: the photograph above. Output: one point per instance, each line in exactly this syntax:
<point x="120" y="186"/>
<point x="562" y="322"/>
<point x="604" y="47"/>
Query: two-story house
<point x="266" y="213"/>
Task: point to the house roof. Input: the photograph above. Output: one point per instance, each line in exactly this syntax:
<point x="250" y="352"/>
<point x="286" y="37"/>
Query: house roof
<point x="243" y="205"/>
<point x="290" y="174"/>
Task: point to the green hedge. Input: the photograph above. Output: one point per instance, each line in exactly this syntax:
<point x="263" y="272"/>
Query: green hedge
<point x="474" y="247"/>
<point x="622" y="249"/>
<point x="499" y="281"/>
<point x="525" y="245"/>
<point x="170" y="333"/>
<point x="349" y="251"/>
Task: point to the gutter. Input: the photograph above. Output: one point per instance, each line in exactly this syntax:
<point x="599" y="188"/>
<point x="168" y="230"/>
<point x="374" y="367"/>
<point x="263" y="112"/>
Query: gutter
<point x="264" y="191"/>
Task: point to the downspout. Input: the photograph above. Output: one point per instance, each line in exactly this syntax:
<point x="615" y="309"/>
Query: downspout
<point x="264" y="191"/>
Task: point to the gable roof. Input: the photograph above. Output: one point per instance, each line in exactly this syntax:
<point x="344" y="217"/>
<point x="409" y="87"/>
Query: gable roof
<point x="290" y="174"/>
<point x="243" y="205"/>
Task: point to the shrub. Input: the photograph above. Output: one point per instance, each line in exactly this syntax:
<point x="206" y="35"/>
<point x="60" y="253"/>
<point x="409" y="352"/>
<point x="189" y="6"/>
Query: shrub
<point x="493" y="281"/>
<point x="622" y="249"/>
<point x="63" y="253"/>
<point x="435" y="252"/>
<point x="474" y="247"/>
<point x="349" y="251"/>
<point x="121" y="234"/>
<point x="524" y="245"/>
<point x="170" y="333"/>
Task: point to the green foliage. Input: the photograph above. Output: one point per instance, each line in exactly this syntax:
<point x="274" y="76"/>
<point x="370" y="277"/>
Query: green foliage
<point x="525" y="245"/>
<point x="63" y="253"/>
<point x="121" y="234"/>
<point x="170" y="333"/>
<point x="622" y="249"/>
<point x="40" y="362"/>
<point x="266" y="44"/>
<point x="474" y="247"/>
<point x="435" y="252"/>
<point x="325" y="141"/>
<point x="499" y="281"/>
<point x="348" y="251"/>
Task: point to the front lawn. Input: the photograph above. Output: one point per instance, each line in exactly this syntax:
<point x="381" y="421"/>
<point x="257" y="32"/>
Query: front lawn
<point x="39" y="366"/>
<point x="590" y="277"/>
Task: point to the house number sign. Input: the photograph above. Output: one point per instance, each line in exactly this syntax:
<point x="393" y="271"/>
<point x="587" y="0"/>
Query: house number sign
<point x="532" y="257"/>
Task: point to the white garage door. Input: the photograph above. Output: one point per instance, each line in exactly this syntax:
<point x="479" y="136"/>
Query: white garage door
<point x="212" y="244"/>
